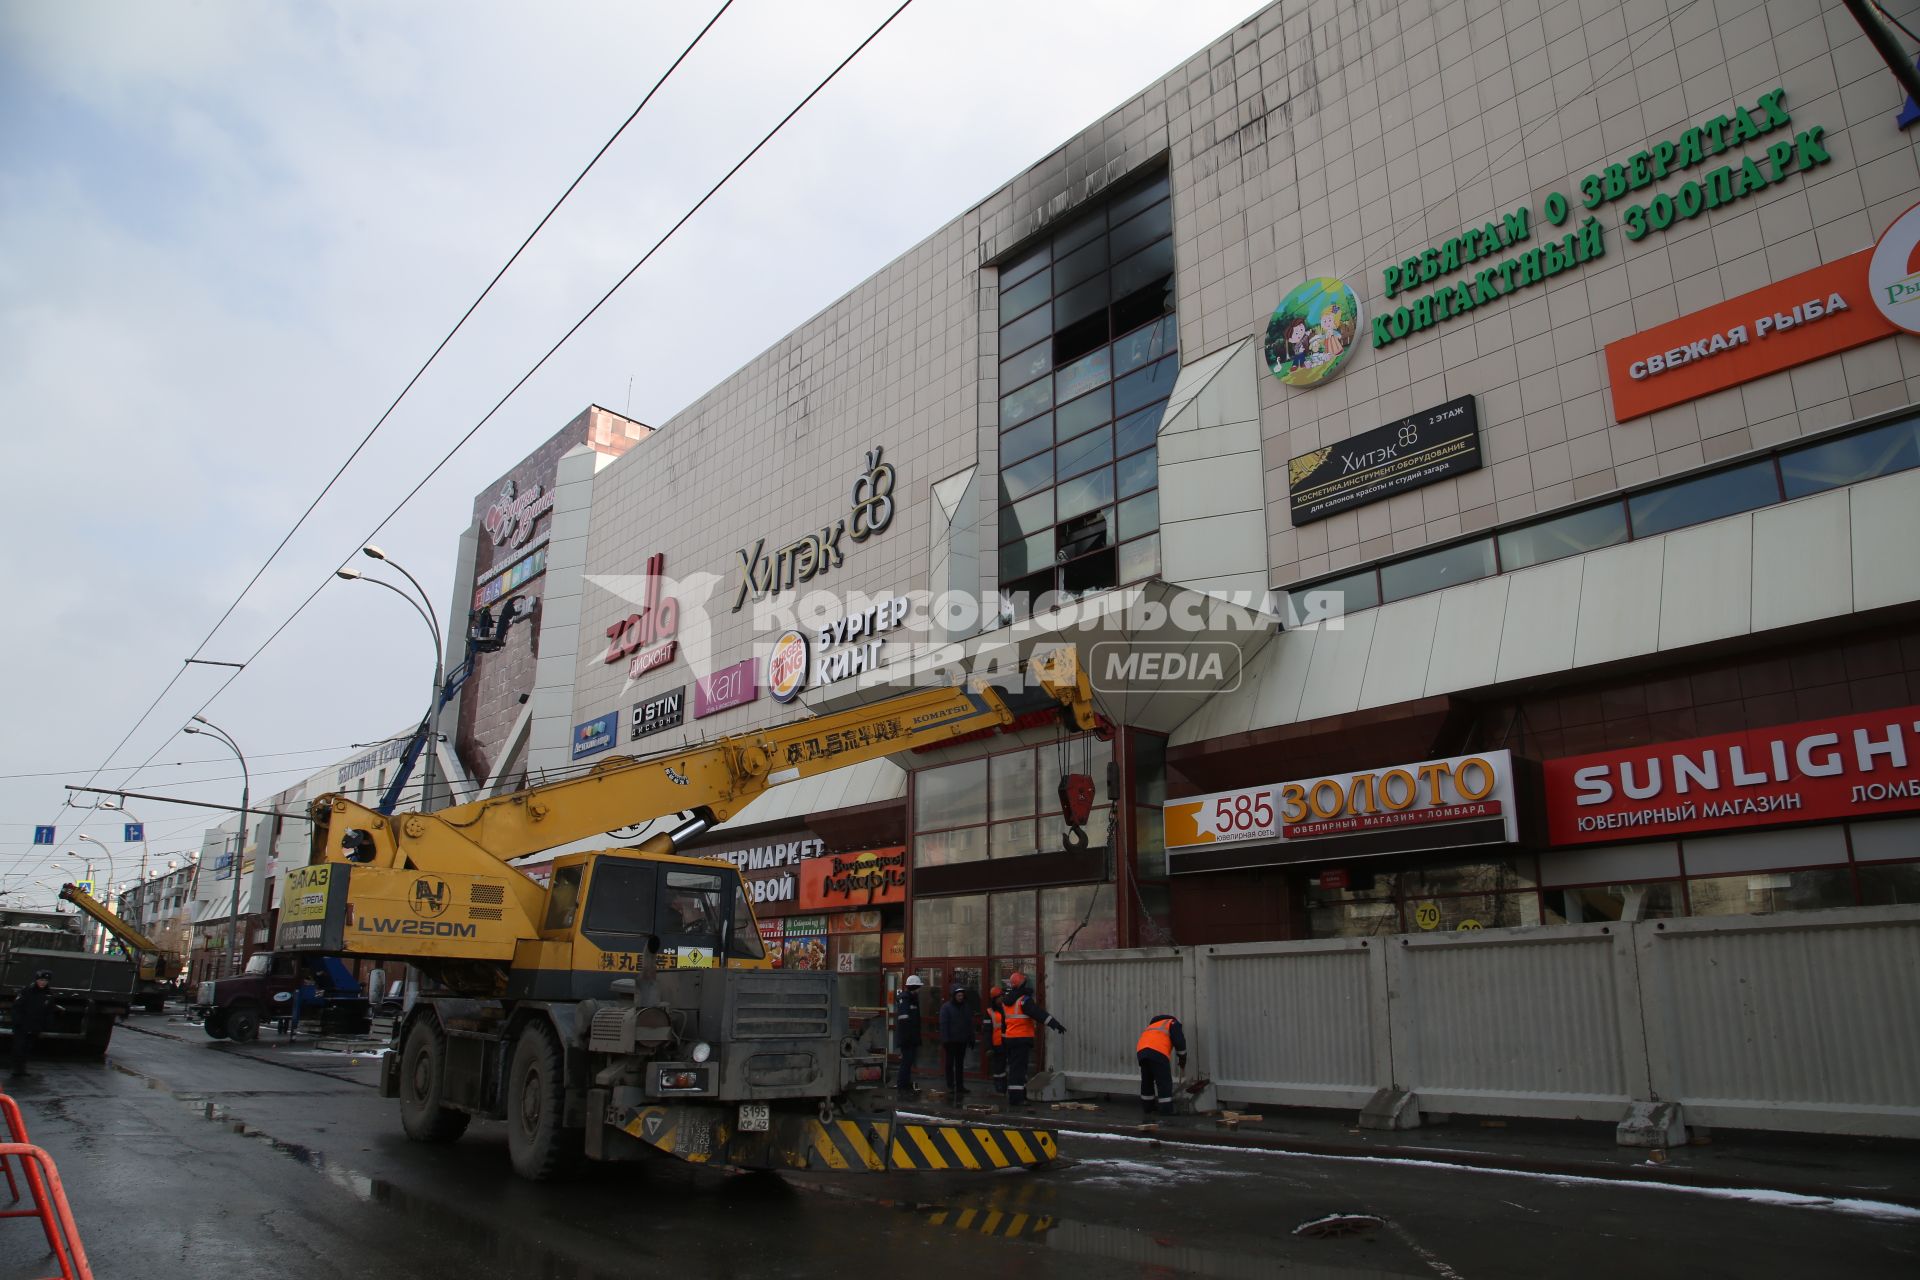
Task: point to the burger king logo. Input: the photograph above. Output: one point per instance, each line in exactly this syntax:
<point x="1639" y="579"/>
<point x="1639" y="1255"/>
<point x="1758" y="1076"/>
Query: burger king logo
<point x="1893" y="274"/>
<point x="787" y="666"/>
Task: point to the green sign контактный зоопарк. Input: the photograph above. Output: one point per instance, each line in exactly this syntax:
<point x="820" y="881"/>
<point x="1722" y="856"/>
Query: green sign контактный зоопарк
<point x="1720" y="186"/>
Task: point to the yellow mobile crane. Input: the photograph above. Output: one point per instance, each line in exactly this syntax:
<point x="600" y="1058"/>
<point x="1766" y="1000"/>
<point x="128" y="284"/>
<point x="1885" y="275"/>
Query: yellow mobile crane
<point x="155" y="967"/>
<point x="626" y="1007"/>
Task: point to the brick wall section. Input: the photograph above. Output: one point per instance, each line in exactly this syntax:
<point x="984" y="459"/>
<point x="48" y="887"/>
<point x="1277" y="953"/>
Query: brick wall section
<point x="493" y="694"/>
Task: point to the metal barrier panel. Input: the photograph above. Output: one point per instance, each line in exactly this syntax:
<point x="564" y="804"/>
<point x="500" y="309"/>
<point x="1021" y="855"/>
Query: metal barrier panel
<point x="1804" y="1021"/>
<point x="1518" y="1022"/>
<point x="1105" y="998"/>
<point x="1295" y="1023"/>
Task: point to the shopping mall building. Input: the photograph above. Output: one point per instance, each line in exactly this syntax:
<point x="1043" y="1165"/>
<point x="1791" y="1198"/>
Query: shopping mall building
<point x="1538" y="388"/>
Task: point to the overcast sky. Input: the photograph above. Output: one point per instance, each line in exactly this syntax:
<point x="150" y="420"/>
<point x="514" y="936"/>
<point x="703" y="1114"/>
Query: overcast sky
<point x="233" y="230"/>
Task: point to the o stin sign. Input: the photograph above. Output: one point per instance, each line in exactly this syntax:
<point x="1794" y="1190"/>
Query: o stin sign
<point x="658" y="619"/>
<point x="840" y="881"/>
<point x="1838" y="768"/>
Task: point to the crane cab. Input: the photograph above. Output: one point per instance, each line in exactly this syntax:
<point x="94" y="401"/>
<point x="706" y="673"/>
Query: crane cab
<point x="606" y="911"/>
<point x="592" y="923"/>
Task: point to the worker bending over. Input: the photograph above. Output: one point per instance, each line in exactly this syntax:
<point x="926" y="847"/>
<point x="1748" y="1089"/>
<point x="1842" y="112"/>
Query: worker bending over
<point x="1162" y="1039"/>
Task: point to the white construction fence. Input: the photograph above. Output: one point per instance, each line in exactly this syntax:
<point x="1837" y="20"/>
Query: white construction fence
<point x="1807" y="1021"/>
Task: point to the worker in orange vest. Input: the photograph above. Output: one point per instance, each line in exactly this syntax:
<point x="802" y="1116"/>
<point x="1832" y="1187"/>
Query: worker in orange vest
<point x="1024" y="1017"/>
<point x="1162" y="1039"/>
<point x="997" y="1041"/>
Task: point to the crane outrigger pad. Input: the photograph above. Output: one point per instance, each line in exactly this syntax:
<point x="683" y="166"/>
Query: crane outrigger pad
<point x="705" y="1134"/>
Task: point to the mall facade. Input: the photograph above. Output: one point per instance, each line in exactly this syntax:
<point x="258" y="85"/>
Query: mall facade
<point x="1472" y="447"/>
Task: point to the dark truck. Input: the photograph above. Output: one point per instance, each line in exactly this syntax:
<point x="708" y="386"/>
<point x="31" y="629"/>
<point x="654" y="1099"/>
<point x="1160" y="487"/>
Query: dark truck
<point x="309" y="989"/>
<point x="90" y="992"/>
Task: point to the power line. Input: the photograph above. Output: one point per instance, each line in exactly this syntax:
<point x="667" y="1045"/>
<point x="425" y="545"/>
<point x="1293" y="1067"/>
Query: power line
<point x="418" y="374"/>
<point x="1895" y="21"/>
<point x="564" y="338"/>
<point x="573" y="329"/>
<point x="539" y="364"/>
<point x="169" y="764"/>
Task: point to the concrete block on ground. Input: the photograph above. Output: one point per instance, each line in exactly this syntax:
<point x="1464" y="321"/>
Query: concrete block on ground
<point x="1391" y="1109"/>
<point x="1652" y="1124"/>
<point x="1189" y="1101"/>
<point x="1047" y="1086"/>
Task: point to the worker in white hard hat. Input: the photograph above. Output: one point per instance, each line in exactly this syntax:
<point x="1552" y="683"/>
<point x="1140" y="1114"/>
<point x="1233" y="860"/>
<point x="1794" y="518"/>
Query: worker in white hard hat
<point x="906" y="1031"/>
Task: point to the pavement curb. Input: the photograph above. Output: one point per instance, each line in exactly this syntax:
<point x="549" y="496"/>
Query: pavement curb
<point x="1680" y="1176"/>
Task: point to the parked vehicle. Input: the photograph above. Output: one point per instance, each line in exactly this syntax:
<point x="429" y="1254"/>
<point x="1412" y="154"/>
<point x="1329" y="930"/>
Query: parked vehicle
<point x="157" y="968"/>
<point x="90" y="992"/>
<point x="306" y="988"/>
<point x="627" y="1008"/>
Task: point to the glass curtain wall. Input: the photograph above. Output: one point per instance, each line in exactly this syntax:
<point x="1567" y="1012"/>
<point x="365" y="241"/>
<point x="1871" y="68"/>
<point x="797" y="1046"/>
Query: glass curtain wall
<point x="1089" y="353"/>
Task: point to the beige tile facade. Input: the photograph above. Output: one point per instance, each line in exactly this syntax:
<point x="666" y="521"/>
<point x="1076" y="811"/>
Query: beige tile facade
<point x="1319" y="137"/>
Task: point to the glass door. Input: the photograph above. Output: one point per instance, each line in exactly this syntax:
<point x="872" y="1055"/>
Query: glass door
<point x="971" y="974"/>
<point x="926" y="1067"/>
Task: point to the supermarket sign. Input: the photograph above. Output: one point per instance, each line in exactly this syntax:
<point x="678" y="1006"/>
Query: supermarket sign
<point x="1816" y="770"/>
<point x="1434" y="804"/>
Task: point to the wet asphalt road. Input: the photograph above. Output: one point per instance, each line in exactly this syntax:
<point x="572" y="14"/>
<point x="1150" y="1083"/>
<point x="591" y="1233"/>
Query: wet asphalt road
<point x="187" y="1160"/>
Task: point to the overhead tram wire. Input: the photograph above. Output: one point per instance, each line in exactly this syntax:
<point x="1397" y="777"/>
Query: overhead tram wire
<point x="571" y="330"/>
<point x="417" y="375"/>
<point x="538" y="365"/>
<point x="170" y="764"/>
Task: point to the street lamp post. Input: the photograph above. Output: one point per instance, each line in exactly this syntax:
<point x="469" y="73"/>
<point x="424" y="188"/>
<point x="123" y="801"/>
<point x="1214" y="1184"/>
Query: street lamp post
<point x="423" y="607"/>
<point x="203" y="725"/>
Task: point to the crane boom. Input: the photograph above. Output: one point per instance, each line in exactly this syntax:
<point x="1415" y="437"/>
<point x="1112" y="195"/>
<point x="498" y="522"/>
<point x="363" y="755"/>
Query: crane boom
<point x="712" y="782"/>
<point x="128" y="936"/>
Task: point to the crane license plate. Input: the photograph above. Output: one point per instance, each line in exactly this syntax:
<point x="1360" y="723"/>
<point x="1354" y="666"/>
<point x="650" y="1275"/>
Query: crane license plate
<point x="753" y="1117"/>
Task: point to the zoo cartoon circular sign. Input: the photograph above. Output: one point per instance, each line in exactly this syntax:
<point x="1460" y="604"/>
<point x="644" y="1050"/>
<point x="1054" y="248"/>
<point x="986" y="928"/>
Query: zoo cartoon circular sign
<point x="1311" y="336"/>
<point x="1893" y="273"/>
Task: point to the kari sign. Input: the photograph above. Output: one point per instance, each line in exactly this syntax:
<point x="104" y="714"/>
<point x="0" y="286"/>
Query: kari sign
<point x="732" y="686"/>
<point x="1838" y="768"/>
<point x="1332" y="816"/>
<point x="1801" y="318"/>
<point x="845" y="881"/>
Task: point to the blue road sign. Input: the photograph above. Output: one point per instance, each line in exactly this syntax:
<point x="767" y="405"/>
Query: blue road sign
<point x="135" y="831"/>
<point x="43" y="835"/>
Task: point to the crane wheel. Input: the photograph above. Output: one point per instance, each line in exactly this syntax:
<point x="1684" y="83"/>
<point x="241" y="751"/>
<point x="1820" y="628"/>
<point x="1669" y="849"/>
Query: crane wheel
<point x="541" y="1145"/>
<point x="422" y="1085"/>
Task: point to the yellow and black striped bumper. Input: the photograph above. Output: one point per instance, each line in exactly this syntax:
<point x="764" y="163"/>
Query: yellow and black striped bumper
<point x="705" y="1134"/>
<point x="1006" y="1224"/>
